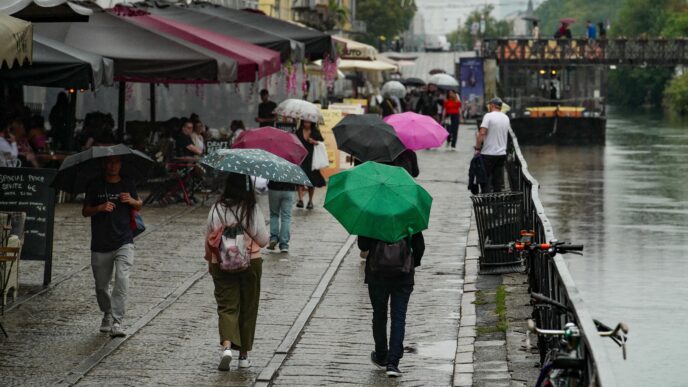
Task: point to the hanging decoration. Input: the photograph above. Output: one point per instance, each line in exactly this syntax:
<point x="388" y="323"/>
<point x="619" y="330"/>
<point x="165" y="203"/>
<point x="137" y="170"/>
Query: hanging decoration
<point x="128" y="91"/>
<point x="329" y="69"/>
<point x="200" y="90"/>
<point x="290" y="78"/>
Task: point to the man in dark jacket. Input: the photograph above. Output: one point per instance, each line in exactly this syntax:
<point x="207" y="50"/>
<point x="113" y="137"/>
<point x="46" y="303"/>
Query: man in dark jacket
<point x="428" y="103"/>
<point x="395" y="292"/>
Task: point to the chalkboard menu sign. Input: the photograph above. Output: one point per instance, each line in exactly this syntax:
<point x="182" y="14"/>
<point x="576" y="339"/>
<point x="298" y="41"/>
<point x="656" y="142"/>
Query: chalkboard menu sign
<point x="213" y="145"/>
<point x="28" y="190"/>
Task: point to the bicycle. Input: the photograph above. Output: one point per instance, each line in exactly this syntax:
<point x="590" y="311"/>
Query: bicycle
<point x="562" y="364"/>
<point x="526" y="247"/>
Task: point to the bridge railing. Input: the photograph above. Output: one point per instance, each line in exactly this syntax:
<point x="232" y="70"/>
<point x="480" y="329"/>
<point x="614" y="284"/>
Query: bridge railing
<point x="551" y="276"/>
<point x="621" y="51"/>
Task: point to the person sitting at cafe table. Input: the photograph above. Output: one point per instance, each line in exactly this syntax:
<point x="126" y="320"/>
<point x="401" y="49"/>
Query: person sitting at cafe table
<point x="186" y="150"/>
<point x="20" y="143"/>
<point x="199" y="133"/>
<point x="8" y="145"/>
<point x="37" y="135"/>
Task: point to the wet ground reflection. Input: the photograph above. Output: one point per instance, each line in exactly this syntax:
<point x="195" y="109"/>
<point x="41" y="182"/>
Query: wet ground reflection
<point x="628" y="203"/>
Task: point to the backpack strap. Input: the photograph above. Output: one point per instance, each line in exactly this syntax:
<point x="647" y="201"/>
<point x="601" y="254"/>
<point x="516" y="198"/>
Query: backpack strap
<point x="236" y="216"/>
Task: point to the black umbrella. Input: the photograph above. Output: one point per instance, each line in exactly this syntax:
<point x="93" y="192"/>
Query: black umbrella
<point x="413" y="82"/>
<point x="368" y="138"/>
<point x="78" y="170"/>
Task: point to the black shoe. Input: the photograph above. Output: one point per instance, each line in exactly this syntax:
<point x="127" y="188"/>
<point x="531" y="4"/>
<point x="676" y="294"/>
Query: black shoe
<point x="309" y="206"/>
<point x="299" y="204"/>
<point x="393" y="371"/>
<point x="379" y="363"/>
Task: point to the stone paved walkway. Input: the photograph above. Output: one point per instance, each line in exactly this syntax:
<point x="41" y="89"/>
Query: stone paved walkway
<point x="172" y="322"/>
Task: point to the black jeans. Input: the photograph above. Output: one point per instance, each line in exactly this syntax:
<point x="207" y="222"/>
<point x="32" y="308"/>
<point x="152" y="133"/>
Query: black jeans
<point x="453" y="130"/>
<point x="380" y="296"/>
<point x="494" y="167"/>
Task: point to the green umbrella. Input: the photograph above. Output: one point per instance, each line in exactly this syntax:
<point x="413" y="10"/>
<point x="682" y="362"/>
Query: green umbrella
<point x="378" y="201"/>
<point x="256" y="162"/>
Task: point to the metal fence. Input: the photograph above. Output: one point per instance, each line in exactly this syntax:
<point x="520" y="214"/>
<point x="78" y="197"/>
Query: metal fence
<point x="551" y="276"/>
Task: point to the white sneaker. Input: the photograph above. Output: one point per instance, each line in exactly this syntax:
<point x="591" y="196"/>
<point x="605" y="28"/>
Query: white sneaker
<point x="284" y="249"/>
<point x="244" y="362"/>
<point x="117" y="331"/>
<point x="225" y="359"/>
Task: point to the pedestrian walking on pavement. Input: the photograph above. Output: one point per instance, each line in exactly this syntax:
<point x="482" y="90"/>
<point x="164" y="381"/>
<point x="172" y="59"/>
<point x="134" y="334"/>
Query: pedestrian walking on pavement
<point x="428" y="103"/>
<point x="388" y="210"/>
<point x="237" y="292"/>
<point x="109" y="203"/>
<point x="491" y="143"/>
<point x="309" y="135"/>
<point x="281" y="199"/>
<point x="393" y="290"/>
<point x="452" y="109"/>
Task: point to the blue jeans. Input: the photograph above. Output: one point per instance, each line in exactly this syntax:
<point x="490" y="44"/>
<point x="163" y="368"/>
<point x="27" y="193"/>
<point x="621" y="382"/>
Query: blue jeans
<point x="281" y="203"/>
<point x="380" y="296"/>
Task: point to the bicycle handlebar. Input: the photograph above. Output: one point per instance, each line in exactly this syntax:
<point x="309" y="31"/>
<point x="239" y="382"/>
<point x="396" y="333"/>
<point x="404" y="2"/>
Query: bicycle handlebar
<point x="552" y="247"/>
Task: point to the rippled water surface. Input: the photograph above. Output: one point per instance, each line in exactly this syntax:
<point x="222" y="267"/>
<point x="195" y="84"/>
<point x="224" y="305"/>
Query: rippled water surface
<point x="628" y="203"/>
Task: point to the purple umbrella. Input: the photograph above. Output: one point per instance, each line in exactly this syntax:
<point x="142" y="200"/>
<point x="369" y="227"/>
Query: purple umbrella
<point x="417" y="131"/>
<point x="276" y="141"/>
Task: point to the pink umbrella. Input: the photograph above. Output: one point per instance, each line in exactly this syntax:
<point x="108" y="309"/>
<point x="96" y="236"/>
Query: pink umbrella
<point x="417" y="131"/>
<point x="278" y="142"/>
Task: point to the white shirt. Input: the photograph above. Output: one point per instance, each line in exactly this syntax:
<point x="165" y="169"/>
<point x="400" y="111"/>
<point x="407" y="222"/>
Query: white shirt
<point x="497" y="125"/>
<point x="6" y="147"/>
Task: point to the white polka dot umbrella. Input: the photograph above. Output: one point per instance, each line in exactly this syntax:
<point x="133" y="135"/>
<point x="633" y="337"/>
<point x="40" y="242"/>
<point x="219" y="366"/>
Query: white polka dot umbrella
<point x="256" y="162"/>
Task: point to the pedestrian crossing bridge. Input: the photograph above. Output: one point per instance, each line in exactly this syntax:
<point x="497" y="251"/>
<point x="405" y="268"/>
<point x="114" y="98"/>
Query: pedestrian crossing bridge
<point x="631" y="52"/>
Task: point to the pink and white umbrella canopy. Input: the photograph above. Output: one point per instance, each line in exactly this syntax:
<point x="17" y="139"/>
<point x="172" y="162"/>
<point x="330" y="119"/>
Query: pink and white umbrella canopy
<point x="417" y="131"/>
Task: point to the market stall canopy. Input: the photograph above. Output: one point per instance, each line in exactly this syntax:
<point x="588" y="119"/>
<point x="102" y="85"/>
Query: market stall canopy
<point x="356" y="50"/>
<point x="58" y="65"/>
<point x="15" y="41"/>
<point x="253" y="61"/>
<point x="289" y="49"/>
<point x="46" y="11"/>
<point x="138" y="54"/>
<point x="365" y="65"/>
<point x="318" y="44"/>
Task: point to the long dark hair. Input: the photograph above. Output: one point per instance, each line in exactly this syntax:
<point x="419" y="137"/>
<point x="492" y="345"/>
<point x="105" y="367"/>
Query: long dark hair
<point x="314" y="128"/>
<point x="239" y="193"/>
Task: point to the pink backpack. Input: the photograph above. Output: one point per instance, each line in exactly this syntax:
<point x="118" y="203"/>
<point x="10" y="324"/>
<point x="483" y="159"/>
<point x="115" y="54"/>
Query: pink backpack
<point x="227" y="243"/>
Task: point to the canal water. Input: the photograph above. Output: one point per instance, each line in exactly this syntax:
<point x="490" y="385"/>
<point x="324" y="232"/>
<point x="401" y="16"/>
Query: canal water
<point x="627" y="202"/>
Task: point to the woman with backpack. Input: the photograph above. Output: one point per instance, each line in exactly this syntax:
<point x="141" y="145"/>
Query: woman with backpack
<point x="389" y="273"/>
<point x="236" y="225"/>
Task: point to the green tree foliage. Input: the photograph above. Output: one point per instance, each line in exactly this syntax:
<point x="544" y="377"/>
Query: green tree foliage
<point x="493" y="28"/>
<point x="551" y="11"/>
<point x="646" y="18"/>
<point x="637" y="86"/>
<point x="387" y="18"/>
<point x="676" y="95"/>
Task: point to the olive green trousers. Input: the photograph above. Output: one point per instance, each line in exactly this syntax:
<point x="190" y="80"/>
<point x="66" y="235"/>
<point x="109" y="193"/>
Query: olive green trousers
<point x="237" y="296"/>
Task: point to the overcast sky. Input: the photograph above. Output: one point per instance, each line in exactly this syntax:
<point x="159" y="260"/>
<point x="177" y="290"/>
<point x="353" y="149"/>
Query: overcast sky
<point x="442" y="16"/>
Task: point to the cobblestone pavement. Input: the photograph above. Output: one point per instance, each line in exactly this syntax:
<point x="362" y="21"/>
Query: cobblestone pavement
<point x="172" y="323"/>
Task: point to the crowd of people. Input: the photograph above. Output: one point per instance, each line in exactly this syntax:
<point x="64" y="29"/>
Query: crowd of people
<point x="111" y="201"/>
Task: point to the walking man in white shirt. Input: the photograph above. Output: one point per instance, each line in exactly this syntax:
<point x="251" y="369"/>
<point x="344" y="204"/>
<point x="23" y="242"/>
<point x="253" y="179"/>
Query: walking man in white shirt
<point x="491" y="144"/>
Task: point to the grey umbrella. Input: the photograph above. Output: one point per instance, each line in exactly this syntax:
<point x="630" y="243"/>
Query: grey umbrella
<point x="77" y="170"/>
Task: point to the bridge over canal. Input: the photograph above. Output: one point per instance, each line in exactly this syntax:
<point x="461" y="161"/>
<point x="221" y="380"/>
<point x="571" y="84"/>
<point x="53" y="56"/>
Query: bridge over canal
<point x="568" y="52"/>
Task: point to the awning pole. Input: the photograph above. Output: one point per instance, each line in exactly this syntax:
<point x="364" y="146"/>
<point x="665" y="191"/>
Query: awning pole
<point x="120" y="110"/>
<point x="152" y="102"/>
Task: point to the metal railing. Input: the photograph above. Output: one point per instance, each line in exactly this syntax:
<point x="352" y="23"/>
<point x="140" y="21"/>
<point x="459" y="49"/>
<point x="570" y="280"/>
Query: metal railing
<point x="617" y="51"/>
<point x="552" y="277"/>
